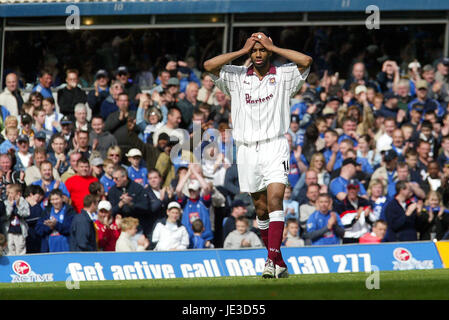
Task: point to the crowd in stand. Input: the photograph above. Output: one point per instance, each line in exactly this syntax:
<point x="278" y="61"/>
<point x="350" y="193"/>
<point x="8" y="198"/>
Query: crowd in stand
<point x="103" y="169"/>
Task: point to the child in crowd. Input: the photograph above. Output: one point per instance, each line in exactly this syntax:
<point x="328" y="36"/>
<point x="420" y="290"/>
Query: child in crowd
<point x="10" y="144"/>
<point x="136" y="171"/>
<point x="16" y="228"/>
<point x="291" y="234"/>
<point x="107" y="229"/>
<point x="125" y="242"/>
<point x="241" y="237"/>
<point x="106" y="180"/>
<point x="197" y="242"/>
<point x="377" y="234"/>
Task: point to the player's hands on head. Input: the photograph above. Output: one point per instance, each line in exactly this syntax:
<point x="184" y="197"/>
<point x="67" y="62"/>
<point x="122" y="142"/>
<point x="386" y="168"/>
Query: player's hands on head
<point x="263" y="40"/>
<point x="249" y="44"/>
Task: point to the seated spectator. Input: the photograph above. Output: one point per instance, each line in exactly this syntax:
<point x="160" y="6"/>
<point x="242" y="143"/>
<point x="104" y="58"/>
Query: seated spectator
<point x="291" y="234"/>
<point x="48" y="183"/>
<point x="197" y="241"/>
<point x="14" y="225"/>
<point x="169" y="233"/>
<point x="324" y="226"/>
<point x="33" y="195"/>
<point x="55" y="224"/>
<point x="129" y="199"/>
<point x="136" y="171"/>
<point x="125" y="242"/>
<point x="108" y="231"/>
<point x="78" y="185"/>
<point x="239" y="209"/>
<point x="355" y="213"/>
<point x="71" y="94"/>
<point x="377" y="234"/>
<point x="106" y="180"/>
<point x="82" y="231"/>
<point x="242" y="237"/>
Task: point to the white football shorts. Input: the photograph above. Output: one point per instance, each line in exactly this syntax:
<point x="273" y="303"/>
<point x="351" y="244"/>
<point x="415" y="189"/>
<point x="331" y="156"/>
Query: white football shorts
<point x="262" y="163"/>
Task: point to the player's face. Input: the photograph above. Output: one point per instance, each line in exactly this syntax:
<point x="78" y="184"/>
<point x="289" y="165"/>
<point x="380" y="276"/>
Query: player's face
<point x="259" y="55"/>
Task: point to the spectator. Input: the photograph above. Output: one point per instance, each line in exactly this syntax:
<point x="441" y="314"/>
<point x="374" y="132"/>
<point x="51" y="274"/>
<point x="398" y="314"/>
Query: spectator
<point x="291" y="234"/>
<point x="100" y="140"/>
<point x="33" y="173"/>
<point x="376" y="194"/>
<point x="97" y="167"/>
<point x="125" y="241"/>
<point x="129" y="199"/>
<point x="291" y="207"/>
<point x="74" y="156"/>
<point x="377" y="234"/>
<point x="48" y="183"/>
<point x="101" y="91"/>
<point x="14" y="223"/>
<point x="158" y="197"/>
<point x="108" y="231"/>
<point x="12" y="97"/>
<point x="169" y="233"/>
<point x="207" y="91"/>
<point x="324" y="226"/>
<point x="82" y="231"/>
<point x="299" y="193"/>
<point x="78" y="185"/>
<point x="239" y="209"/>
<point x="116" y="123"/>
<point x="130" y="88"/>
<point x="242" y="237"/>
<point x="109" y="104"/>
<point x="39" y="125"/>
<point x="355" y="212"/>
<point x="71" y="94"/>
<point x="10" y="145"/>
<point x="136" y="171"/>
<point x="106" y="180"/>
<point x="188" y="104"/>
<point x="8" y="175"/>
<point x="81" y="144"/>
<point x="173" y="122"/>
<point x="58" y="157"/>
<point x="26" y="122"/>
<point x="387" y="173"/>
<point x="197" y="241"/>
<point x="24" y="158"/>
<point x="338" y="186"/>
<point x="33" y="195"/>
<point x="67" y="132"/>
<point x="80" y="118"/>
<point x="55" y="224"/>
<point x="309" y="207"/>
<point x="386" y="139"/>
<point x="96" y="189"/>
<point x="45" y="82"/>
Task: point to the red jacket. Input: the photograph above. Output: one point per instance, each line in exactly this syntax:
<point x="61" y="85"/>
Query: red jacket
<point x="369" y="238"/>
<point x="107" y="237"/>
<point x="79" y="188"/>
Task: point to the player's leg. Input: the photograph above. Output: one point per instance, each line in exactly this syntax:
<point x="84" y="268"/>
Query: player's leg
<point x="275" y="196"/>
<point x="262" y="218"/>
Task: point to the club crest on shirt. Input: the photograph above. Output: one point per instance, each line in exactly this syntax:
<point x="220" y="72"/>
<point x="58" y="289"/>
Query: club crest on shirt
<point x="272" y="81"/>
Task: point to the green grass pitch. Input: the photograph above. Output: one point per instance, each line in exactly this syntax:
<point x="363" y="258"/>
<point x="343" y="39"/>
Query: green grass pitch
<point x="402" y="285"/>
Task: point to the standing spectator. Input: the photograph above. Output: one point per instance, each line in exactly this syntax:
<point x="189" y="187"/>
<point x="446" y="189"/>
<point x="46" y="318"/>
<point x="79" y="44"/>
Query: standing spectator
<point x="54" y="225"/>
<point x="48" y="183"/>
<point x="81" y="143"/>
<point x="45" y="82"/>
<point x="299" y="192"/>
<point x="207" y="91"/>
<point x="324" y="226"/>
<point x="23" y="154"/>
<point x="33" y="195"/>
<point x="74" y="156"/>
<point x="8" y="175"/>
<point x="39" y="125"/>
<point x="78" y="185"/>
<point x="67" y="132"/>
<point x="169" y="233"/>
<point x="188" y="105"/>
<point x="58" y="157"/>
<point x="291" y="207"/>
<point x="82" y="231"/>
<point x="338" y="186"/>
<point x="116" y="122"/>
<point x="80" y="115"/>
<point x="376" y="194"/>
<point x="130" y="88"/>
<point x="33" y="173"/>
<point x="400" y="214"/>
<point x="239" y="209"/>
<point x="377" y="234"/>
<point x="100" y="140"/>
<point x="309" y="207"/>
<point x="109" y="104"/>
<point x="11" y="97"/>
<point x="173" y="121"/>
<point x="129" y="199"/>
<point x="158" y="197"/>
<point x="52" y="117"/>
<point x="242" y="237"/>
<point x="108" y="231"/>
<point x="386" y="139"/>
<point x="125" y="241"/>
<point x="71" y="94"/>
<point x="14" y="224"/>
<point x="355" y="213"/>
<point x="101" y="91"/>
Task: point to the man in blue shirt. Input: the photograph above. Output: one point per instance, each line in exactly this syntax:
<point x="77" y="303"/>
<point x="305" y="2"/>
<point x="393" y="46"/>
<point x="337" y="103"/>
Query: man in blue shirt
<point x="338" y="186"/>
<point x="48" y="183"/>
<point x="45" y="81"/>
<point x="324" y="226"/>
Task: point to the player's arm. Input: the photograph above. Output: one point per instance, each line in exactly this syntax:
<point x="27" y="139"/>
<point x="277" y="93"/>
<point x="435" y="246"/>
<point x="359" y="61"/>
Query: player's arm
<point x="214" y="65"/>
<point x="301" y="60"/>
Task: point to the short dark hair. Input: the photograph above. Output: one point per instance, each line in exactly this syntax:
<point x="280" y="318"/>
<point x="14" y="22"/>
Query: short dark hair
<point x="56" y="192"/>
<point x="197" y="225"/>
<point x="83" y="160"/>
<point x="400" y="185"/>
<point x="95" y="187"/>
<point x="89" y="200"/>
<point x="33" y="189"/>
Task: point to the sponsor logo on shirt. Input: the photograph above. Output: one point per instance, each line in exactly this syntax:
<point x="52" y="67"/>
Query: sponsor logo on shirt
<point x="249" y="99"/>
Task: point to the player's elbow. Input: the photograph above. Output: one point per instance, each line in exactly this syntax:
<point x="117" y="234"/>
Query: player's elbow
<point x="208" y="66"/>
<point x="309" y="61"/>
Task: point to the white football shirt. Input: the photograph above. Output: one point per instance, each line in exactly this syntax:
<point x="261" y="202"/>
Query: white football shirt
<point x="260" y="109"/>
